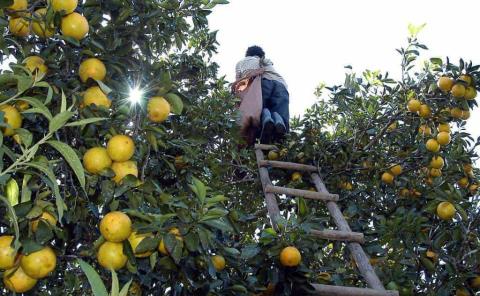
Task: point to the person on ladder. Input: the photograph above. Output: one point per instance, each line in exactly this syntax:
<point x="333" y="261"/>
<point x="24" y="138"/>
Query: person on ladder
<point x="274" y="92"/>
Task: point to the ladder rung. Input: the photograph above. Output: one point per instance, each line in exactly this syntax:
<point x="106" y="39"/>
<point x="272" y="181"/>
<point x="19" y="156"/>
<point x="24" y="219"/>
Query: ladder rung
<point x="302" y="193"/>
<point x="288" y="165"/>
<point x="265" y="147"/>
<point x="328" y="290"/>
<point x="339" y="235"/>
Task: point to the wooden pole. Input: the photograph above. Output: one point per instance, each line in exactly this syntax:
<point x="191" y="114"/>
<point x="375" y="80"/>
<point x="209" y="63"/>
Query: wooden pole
<point x="265" y="147"/>
<point x="327" y="290"/>
<point x="302" y="193"/>
<point x="270" y="198"/>
<point x="288" y="165"/>
<point x="356" y="250"/>
<point x="339" y="235"/>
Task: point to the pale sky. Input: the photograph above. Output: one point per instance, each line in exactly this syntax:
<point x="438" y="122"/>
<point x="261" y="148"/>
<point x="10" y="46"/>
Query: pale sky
<point x="310" y="41"/>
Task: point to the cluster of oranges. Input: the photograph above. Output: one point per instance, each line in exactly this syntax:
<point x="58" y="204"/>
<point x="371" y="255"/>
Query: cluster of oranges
<point x="22" y="21"/>
<point x="116" y="227"/>
<point x="22" y="271"/>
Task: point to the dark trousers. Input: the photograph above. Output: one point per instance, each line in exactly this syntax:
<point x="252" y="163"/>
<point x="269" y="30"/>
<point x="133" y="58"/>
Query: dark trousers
<point x="275" y="98"/>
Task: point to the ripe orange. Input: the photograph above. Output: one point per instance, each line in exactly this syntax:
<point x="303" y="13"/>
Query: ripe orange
<point x="443" y="127"/>
<point x="110" y="255"/>
<point x="425" y="130"/>
<point x="392" y="127"/>
<point x="458" y="91"/>
<point x="432" y="145"/>
<point x="396" y="170"/>
<point x="92" y="68"/>
<point x="45" y="217"/>
<point x="425" y="111"/>
<point x="437" y="162"/>
<point x="465" y="114"/>
<point x="7" y="252"/>
<point x="467" y="168"/>
<point x="445" y="83"/>
<point x="116" y="227"/>
<point x="16" y="280"/>
<point x="135" y="239"/>
<point x="35" y="64"/>
<point x="18" y="5"/>
<point x="158" y="109"/>
<point x="290" y="257"/>
<point x="344" y="185"/>
<point x="404" y="192"/>
<point x="435" y="172"/>
<point x="456" y="112"/>
<point x="473" y="188"/>
<point x="94" y="95"/>
<point x="296" y="176"/>
<point x="19" y="27"/>
<point x="445" y="210"/>
<point x="463" y="182"/>
<point x="67" y="6"/>
<point x="12" y="117"/>
<point x="272" y="155"/>
<point x="39" y="264"/>
<point x="443" y="138"/>
<point x="218" y="262"/>
<point x="387" y="178"/>
<point x="120" y="148"/>
<point x="96" y="159"/>
<point x="75" y="25"/>
<point x="466" y="78"/>
<point x="470" y="93"/>
<point x="22" y="105"/>
<point x="414" y="105"/>
<point x="39" y="27"/>
<point x="124" y="168"/>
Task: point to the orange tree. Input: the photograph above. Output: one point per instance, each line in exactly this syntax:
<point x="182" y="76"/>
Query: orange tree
<point x="120" y="152"/>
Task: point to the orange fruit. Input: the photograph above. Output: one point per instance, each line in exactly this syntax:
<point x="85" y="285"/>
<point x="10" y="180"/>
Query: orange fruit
<point x="16" y="280"/>
<point x="94" y="95"/>
<point x="35" y="64"/>
<point x="463" y="182"/>
<point x="218" y="262"/>
<point x="414" y="105"/>
<point x="158" y="109"/>
<point x="135" y="239"/>
<point x="290" y="257"/>
<point x="470" y="93"/>
<point x="387" y="178"/>
<point x="443" y="127"/>
<point x="273" y="155"/>
<point x="437" y="162"/>
<point x="75" y="25"/>
<point x="12" y="117"/>
<point x="92" y="68"/>
<point x="425" y="130"/>
<point x="425" y="111"/>
<point x="435" y="172"/>
<point x="7" y="252"/>
<point x="443" y="138"/>
<point x="39" y="27"/>
<point x="116" y="227"/>
<point x="445" y="83"/>
<point x="445" y="210"/>
<point x="465" y="114"/>
<point x="396" y="170"/>
<point x="458" y="91"/>
<point x="123" y="169"/>
<point x="67" y="6"/>
<point x="39" y="264"/>
<point x="110" y="255"/>
<point x="404" y="192"/>
<point x="466" y="78"/>
<point x="296" y="176"/>
<point x="432" y="145"/>
<point x="456" y="112"/>
<point x="19" y="27"/>
<point x="467" y="168"/>
<point x="96" y="160"/>
<point x="45" y="217"/>
<point x="120" y="148"/>
<point x="18" y="5"/>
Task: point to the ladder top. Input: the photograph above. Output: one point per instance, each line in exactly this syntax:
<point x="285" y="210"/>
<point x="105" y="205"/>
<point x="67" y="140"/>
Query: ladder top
<point x="266" y="147"/>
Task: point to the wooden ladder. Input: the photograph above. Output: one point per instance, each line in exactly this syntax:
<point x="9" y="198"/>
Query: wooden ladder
<point x="344" y="233"/>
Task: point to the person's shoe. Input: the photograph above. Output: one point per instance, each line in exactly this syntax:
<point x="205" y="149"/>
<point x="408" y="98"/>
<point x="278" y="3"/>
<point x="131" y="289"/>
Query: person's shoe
<point x="280" y="128"/>
<point x="268" y="127"/>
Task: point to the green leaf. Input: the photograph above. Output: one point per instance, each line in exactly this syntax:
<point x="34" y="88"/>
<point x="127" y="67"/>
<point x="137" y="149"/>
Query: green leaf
<point x="175" y="102"/>
<point x="72" y="159"/>
<point x="124" y="291"/>
<point x="63" y="106"/>
<point x="53" y="180"/>
<point x="115" y="285"/>
<point x="24" y="83"/>
<point x="98" y="288"/>
<point x="59" y="121"/>
<point x="199" y="189"/>
<point x="218" y="224"/>
<point x="86" y="121"/>
<point x="26" y="136"/>
<point x="103" y="87"/>
<point x="38" y="107"/>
